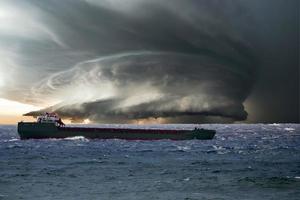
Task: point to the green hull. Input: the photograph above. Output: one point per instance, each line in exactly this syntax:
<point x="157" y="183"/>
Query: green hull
<point x="32" y="130"/>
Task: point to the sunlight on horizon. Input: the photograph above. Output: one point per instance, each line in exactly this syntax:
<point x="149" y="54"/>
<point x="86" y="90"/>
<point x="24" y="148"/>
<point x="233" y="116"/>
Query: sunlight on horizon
<point x="12" y="111"/>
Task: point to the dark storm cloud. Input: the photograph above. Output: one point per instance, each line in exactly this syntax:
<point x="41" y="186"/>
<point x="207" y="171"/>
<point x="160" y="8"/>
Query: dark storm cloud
<point x="154" y="84"/>
<point x="123" y="60"/>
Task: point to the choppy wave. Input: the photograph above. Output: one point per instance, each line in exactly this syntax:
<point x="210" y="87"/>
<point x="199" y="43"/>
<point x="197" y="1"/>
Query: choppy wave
<point x="242" y="157"/>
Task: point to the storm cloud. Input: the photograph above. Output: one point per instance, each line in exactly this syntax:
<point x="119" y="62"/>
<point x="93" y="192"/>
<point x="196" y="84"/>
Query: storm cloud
<point x="120" y="61"/>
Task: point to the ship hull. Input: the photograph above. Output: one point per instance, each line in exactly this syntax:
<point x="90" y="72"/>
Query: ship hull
<point x="32" y="130"/>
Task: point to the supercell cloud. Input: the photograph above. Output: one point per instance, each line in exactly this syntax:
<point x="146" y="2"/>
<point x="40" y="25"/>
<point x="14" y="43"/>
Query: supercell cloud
<point x="121" y="61"/>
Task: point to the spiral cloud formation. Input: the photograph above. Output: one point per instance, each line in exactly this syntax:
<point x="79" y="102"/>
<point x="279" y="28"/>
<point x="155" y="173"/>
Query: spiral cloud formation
<point x="129" y="60"/>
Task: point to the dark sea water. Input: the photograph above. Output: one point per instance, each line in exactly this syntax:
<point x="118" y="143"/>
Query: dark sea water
<point x="258" y="161"/>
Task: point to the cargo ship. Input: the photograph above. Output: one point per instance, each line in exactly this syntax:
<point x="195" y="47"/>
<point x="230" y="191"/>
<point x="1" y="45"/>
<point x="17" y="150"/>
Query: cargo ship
<point x="50" y="125"/>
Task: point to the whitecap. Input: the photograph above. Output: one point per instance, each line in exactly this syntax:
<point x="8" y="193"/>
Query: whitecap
<point x="289" y="129"/>
<point x="11" y="140"/>
<point x="183" y="148"/>
<point x="218" y="147"/>
<point x="274" y="124"/>
<point x="222" y="152"/>
<point x="77" y="138"/>
<point x="14" y="139"/>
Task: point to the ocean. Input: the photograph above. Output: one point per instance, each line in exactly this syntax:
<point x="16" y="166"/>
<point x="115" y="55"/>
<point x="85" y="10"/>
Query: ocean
<point x="243" y="161"/>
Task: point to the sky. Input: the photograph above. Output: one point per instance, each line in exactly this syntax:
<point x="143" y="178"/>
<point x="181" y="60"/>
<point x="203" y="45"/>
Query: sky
<point x="141" y="61"/>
